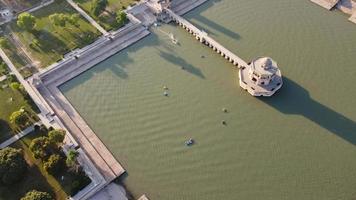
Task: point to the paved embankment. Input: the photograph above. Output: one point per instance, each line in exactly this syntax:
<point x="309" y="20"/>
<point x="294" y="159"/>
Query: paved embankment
<point x="17" y="137"/>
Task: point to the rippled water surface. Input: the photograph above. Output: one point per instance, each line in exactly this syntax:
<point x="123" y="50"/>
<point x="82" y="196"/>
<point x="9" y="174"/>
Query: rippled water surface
<point x="299" y="144"/>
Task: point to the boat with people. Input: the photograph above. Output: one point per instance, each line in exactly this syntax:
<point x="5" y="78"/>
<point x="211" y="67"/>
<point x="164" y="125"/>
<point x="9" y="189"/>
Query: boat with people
<point x="189" y="142"/>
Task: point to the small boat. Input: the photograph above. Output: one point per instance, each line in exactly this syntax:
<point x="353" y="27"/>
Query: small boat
<point x="165" y="93"/>
<point x="189" y="142"/>
<point x="174" y="40"/>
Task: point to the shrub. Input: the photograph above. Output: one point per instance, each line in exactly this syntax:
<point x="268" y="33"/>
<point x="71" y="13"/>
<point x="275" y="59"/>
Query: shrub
<point x="56" y="136"/>
<point x="41" y="147"/>
<point x="4" y="43"/>
<point x="98" y="6"/>
<point x="12" y="165"/>
<point x="36" y="195"/>
<point x="19" y="118"/>
<point x="71" y="161"/>
<point x="121" y="18"/>
<point x="54" y="165"/>
<point x="15" y="85"/>
<point x="81" y="181"/>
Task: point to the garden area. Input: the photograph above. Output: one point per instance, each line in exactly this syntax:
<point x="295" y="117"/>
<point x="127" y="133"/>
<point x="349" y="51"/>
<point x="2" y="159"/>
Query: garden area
<point x="108" y="13"/>
<point x="47" y="168"/>
<point x="18" y="61"/>
<point x="18" y="111"/>
<point x="51" y="32"/>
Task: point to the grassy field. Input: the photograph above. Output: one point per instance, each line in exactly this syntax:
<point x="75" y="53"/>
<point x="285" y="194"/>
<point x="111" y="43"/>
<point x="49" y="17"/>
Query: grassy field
<point x="3" y="68"/>
<point x="52" y="42"/>
<point x="106" y="19"/>
<point x="12" y="100"/>
<point x="11" y="52"/>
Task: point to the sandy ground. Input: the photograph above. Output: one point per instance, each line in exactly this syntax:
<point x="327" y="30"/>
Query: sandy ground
<point x="111" y="192"/>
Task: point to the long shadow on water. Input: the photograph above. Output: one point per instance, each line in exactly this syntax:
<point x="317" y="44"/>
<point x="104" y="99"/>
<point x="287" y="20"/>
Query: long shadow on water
<point x="209" y="24"/>
<point x="178" y="61"/>
<point x="294" y="99"/>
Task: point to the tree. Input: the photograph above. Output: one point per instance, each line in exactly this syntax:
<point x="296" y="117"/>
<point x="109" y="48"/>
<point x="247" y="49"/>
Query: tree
<point x="121" y="18"/>
<point x="73" y="20"/>
<point x="26" y="21"/>
<point x="41" y="147"/>
<point x="58" y="19"/>
<point x="4" y="43"/>
<point x="19" y="118"/>
<point x="98" y="6"/>
<point x="12" y="165"/>
<point x="54" y="165"/>
<point x="56" y="136"/>
<point x="37" y="195"/>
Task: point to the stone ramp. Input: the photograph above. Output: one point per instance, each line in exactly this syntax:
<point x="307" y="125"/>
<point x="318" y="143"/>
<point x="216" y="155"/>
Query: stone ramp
<point x="353" y="18"/>
<point x="327" y="4"/>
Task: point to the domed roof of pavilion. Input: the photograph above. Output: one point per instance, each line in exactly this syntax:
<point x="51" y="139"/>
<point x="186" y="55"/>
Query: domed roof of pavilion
<point x="264" y="66"/>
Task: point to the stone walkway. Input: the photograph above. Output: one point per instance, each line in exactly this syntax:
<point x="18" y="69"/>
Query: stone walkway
<point x="86" y="16"/>
<point x="17" y="137"/>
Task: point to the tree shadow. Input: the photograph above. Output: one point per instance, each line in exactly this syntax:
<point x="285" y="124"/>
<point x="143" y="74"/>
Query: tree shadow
<point x="180" y="62"/>
<point x="5" y="130"/>
<point x="294" y="99"/>
<point x="50" y="43"/>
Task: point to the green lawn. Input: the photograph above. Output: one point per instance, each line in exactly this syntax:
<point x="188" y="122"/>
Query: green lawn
<point x="106" y="19"/>
<point x="10" y="101"/>
<point x="54" y="41"/>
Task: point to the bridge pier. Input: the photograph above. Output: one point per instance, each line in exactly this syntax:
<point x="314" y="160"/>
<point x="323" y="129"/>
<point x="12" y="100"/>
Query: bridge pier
<point x="205" y="39"/>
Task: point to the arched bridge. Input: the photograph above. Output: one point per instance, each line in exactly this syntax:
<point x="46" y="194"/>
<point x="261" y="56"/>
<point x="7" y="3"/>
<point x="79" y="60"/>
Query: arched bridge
<point x="204" y="38"/>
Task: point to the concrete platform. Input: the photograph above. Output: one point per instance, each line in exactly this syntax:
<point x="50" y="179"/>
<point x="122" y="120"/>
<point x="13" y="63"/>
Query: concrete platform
<point x="327" y="4"/>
